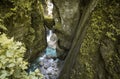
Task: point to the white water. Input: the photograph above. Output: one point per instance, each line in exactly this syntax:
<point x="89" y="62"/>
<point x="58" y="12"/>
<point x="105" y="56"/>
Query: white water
<point x="52" y="39"/>
<point x="49" y="64"/>
<point x="49" y="35"/>
<point x="49" y="8"/>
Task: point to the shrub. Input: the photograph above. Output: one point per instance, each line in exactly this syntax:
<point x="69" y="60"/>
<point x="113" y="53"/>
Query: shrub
<point x="12" y="65"/>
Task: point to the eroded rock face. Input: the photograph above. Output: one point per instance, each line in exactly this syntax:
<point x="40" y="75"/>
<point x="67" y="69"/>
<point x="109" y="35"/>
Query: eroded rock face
<point x="111" y="59"/>
<point x="66" y="17"/>
<point x="39" y="41"/>
<point x="29" y="27"/>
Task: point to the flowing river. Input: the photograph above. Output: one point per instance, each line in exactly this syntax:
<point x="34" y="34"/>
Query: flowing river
<point x="48" y="64"/>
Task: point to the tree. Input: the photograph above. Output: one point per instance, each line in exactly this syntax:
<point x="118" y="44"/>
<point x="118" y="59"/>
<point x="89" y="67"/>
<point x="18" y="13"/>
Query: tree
<point x="80" y="33"/>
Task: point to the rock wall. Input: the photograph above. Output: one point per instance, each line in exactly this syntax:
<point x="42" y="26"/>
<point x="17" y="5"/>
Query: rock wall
<point x="111" y="58"/>
<point x="66" y="16"/>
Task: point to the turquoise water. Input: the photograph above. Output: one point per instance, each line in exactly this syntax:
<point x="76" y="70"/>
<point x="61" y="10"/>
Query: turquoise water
<point x="48" y="64"/>
<point x="50" y="52"/>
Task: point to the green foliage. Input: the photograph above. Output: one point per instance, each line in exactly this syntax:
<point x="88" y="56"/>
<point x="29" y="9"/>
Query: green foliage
<point x="105" y="19"/>
<point x="12" y="65"/>
<point x="18" y="12"/>
<point x="2" y="25"/>
<point x="104" y="22"/>
<point x="24" y="20"/>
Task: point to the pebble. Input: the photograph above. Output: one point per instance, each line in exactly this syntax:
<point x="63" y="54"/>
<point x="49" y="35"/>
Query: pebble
<point x="49" y="68"/>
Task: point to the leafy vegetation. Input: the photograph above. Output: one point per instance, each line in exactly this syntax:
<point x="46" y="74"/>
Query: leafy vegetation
<point x="104" y="23"/>
<point x="12" y="65"/>
<point x="24" y="21"/>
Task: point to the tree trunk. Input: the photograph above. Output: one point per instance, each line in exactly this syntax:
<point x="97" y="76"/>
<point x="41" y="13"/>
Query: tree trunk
<point x="80" y="33"/>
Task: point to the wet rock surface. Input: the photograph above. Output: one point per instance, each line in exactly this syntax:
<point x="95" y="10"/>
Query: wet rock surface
<point x="50" y="67"/>
<point x="48" y="64"/>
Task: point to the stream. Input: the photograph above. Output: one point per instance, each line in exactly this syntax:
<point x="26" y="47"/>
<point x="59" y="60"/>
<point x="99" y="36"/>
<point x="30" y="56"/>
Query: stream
<point x="48" y="64"/>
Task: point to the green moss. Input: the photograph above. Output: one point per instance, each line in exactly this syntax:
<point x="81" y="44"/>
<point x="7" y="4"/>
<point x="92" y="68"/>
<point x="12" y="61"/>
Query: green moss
<point x="58" y="26"/>
<point x="24" y="21"/>
<point x="49" y="22"/>
<point x="103" y="25"/>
